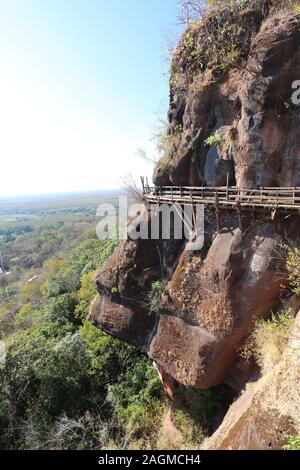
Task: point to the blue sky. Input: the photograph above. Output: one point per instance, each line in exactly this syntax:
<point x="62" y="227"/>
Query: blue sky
<point x="82" y="82"/>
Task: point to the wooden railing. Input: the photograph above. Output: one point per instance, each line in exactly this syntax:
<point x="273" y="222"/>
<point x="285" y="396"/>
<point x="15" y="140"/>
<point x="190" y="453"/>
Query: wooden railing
<point x="227" y="197"/>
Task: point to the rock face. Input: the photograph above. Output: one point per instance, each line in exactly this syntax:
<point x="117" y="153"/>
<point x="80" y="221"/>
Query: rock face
<point x="210" y="304"/>
<point x="213" y="296"/>
<point x="250" y="108"/>
<point x="121" y="307"/>
<point x="267" y="412"/>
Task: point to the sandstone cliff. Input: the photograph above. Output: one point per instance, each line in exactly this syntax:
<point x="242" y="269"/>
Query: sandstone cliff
<point x="230" y="113"/>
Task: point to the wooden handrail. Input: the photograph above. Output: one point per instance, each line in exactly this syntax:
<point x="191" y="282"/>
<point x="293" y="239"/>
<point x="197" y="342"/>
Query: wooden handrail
<point x="228" y="197"/>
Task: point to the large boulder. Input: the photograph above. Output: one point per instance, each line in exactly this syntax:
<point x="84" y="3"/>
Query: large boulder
<point x="210" y="305"/>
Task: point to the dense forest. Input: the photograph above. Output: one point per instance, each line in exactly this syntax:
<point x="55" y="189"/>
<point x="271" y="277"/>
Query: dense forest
<point x="64" y="384"/>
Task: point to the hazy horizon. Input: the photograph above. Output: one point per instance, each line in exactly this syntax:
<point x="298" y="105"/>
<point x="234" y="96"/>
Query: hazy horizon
<point x="57" y="195"/>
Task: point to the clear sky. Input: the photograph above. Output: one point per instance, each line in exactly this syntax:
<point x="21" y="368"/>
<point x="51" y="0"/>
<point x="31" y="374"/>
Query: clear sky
<point x="81" y="84"/>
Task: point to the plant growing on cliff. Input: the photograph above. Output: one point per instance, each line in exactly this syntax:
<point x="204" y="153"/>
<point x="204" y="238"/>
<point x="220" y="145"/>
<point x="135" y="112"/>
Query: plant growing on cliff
<point x="218" y="35"/>
<point x="85" y="295"/>
<point x="167" y="137"/>
<point x="190" y="428"/>
<point x="154" y="296"/>
<point x="214" y="140"/>
<point x="163" y="166"/>
<point x="293" y="267"/>
<point x="167" y="141"/>
<point x="268" y="339"/>
<point x="293" y="443"/>
<point x="296" y="9"/>
<point x="196" y="409"/>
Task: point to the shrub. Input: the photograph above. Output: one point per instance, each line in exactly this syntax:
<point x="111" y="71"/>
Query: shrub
<point x="196" y="410"/>
<point x="167" y="139"/>
<point x="26" y="316"/>
<point x="293" y="267"/>
<point x="269" y="338"/>
<point x="220" y="39"/>
<point x="44" y="371"/>
<point x="137" y="399"/>
<point x="190" y="428"/>
<point x="6" y="294"/>
<point x="163" y="166"/>
<point x="293" y="443"/>
<point x="60" y="309"/>
<point x="214" y="140"/>
<point x="88" y="432"/>
<point x="85" y="295"/>
<point x="154" y="296"/>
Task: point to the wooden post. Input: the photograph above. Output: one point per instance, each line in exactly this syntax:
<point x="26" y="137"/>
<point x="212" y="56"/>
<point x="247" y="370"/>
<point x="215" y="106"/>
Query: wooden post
<point x="143" y="183"/>
<point x="218" y="213"/>
<point x="239" y="212"/>
<point x="227" y="186"/>
<point x="147" y="184"/>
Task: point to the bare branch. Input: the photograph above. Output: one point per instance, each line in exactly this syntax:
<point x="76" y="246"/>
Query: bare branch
<point x="129" y="185"/>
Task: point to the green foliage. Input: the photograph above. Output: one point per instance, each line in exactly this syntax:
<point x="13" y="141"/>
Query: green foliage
<point x="214" y="140"/>
<point x="234" y="4"/>
<point x="269" y="338"/>
<point x="137" y="399"/>
<point x="65" y="274"/>
<point x="65" y="384"/>
<point x="293" y="443"/>
<point x="154" y="296"/>
<point x="293" y="267"/>
<point x="85" y="295"/>
<point x="157" y="288"/>
<point x="44" y="372"/>
<point x="6" y="293"/>
<point x="217" y="35"/>
<point x="164" y="166"/>
<point x="31" y="293"/>
<point x="189" y="427"/>
<point x="220" y="40"/>
<point x="60" y="309"/>
<point x="26" y="316"/>
<point x="197" y="410"/>
<point x="167" y="138"/>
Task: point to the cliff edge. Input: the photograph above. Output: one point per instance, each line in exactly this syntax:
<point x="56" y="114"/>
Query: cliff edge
<point x="231" y="115"/>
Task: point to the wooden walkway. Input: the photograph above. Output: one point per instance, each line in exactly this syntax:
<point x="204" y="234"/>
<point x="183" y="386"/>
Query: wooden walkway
<point x="227" y="197"/>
